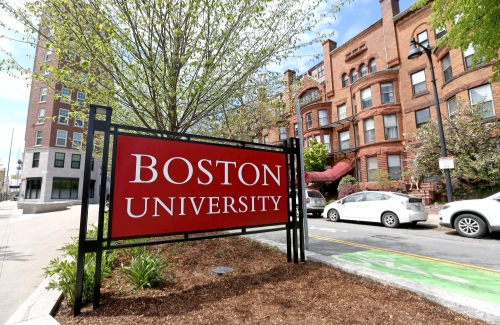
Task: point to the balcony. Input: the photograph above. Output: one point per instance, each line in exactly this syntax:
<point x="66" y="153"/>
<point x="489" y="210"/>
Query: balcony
<point x="340" y="122"/>
<point x="345" y="146"/>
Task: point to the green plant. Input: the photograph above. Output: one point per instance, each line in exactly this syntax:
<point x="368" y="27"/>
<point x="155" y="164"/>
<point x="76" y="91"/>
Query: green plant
<point x="331" y="201"/>
<point x="273" y="248"/>
<point x="347" y="179"/>
<point x="382" y="177"/>
<point x="315" y="156"/>
<point x="219" y="254"/>
<point x="146" y="270"/>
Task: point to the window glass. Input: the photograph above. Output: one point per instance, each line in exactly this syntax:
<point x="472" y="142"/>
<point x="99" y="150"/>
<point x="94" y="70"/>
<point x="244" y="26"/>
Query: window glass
<point x="342" y="112"/>
<point x="43" y="94"/>
<point x="77" y="140"/>
<point x="371" y="166"/>
<point x="59" y="160"/>
<point x="256" y="140"/>
<point x="418" y="82"/>
<point x="66" y="95"/>
<point x="374" y="196"/>
<point x="354" y="75"/>
<point x="75" y="161"/>
<point x="283" y="133"/>
<point x="362" y="70"/>
<point x="369" y="125"/>
<point x="452" y="103"/>
<point x="387" y="91"/>
<point x="33" y="187"/>
<point x="321" y="71"/>
<point x="391" y="126"/>
<point x="322" y="118"/>
<point x="309" y="96"/>
<point x="36" y="159"/>
<point x="482" y="95"/>
<point x="366" y="98"/>
<point x="423" y="39"/>
<point x="79" y="119"/>
<point x="41" y="116"/>
<point x="394" y="166"/>
<point x="48" y="55"/>
<point x="266" y="139"/>
<point x="38" y="138"/>
<point x="309" y="121"/>
<point x="315" y="194"/>
<point x="422" y="116"/>
<point x="80" y="98"/>
<point x="440" y="32"/>
<point x="446" y="63"/>
<point x="345" y="80"/>
<point x="65" y="188"/>
<point x="354" y="105"/>
<point x="358" y="197"/>
<point x="344" y="140"/>
<point x="373" y="66"/>
<point x="63" y="116"/>
<point x="296" y="129"/>
<point x="61" y="138"/>
<point x="326" y="142"/>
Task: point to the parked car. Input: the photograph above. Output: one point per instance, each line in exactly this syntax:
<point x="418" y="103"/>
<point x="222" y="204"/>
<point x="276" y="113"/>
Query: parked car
<point x="391" y="209"/>
<point x="472" y="218"/>
<point x="315" y="202"/>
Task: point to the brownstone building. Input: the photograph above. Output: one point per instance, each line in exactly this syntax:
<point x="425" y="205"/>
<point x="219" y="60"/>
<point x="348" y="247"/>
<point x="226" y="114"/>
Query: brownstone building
<point x="366" y="94"/>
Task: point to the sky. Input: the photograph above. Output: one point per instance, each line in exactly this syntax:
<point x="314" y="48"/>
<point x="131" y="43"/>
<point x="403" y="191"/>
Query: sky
<point x="14" y="93"/>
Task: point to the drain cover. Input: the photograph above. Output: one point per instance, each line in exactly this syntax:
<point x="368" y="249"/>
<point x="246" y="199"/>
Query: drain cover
<point x="388" y="237"/>
<point x="220" y="270"/>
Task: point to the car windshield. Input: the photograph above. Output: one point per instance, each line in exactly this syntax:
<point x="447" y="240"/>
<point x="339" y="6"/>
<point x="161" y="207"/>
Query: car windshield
<point x="313" y="193"/>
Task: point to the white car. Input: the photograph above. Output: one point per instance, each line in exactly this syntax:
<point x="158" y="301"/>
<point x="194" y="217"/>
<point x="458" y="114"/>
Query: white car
<point x="472" y="218"/>
<point x="389" y="208"/>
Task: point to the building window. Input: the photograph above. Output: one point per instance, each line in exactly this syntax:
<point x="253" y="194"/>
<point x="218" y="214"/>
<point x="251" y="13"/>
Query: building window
<point x="354" y="75"/>
<point x="36" y="160"/>
<point x="422" y="116"/>
<point x="318" y="138"/>
<point x="61" y="138"/>
<point x="322" y="118"/>
<point x="48" y="55"/>
<point x="80" y="98"/>
<point x="321" y="71"/>
<point x="77" y="140"/>
<point x="43" y="95"/>
<point x="446" y="63"/>
<point x="63" y="116"/>
<point x="326" y="142"/>
<point x="65" y="188"/>
<point x="440" y="32"/>
<point x="391" y="127"/>
<point x="366" y="98"/>
<point x="371" y="166"/>
<point x="452" y="109"/>
<point x="79" y="119"/>
<point x="296" y="130"/>
<point x="394" y="166"/>
<point x="33" y="187"/>
<point x="256" y="140"/>
<point x="59" y="160"/>
<point x="309" y="121"/>
<point x="282" y="133"/>
<point x="46" y="72"/>
<point x="309" y="96"/>
<point x="373" y="66"/>
<point x="342" y="112"/>
<point x="344" y="140"/>
<point x="482" y="97"/>
<point x="41" y="116"/>
<point x="387" y="91"/>
<point x="423" y="39"/>
<point x="362" y="70"/>
<point x="71" y="56"/>
<point x="38" y="138"/>
<point x="418" y="82"/>
<point x="354" y="105"/>
<point x="75" y="161"/>
<point x="345" y="80"/>
<point x="266" y="139"/>
<point x="65" y="95"/>
<point x="369" y="126"/>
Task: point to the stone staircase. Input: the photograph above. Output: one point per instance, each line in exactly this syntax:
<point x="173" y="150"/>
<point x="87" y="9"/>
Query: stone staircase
<point x="427" y="192"/>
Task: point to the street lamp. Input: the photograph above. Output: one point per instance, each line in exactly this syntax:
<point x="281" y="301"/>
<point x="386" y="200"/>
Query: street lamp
<point x="415" y="53"/>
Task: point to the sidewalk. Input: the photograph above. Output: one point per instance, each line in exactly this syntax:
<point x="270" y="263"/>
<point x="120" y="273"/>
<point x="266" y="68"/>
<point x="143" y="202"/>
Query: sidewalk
<point x="27" y="243"/>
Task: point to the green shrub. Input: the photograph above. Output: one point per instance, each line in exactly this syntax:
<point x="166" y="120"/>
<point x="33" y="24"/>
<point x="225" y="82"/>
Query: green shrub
<point x="347" y="179"/>
<point x="146" y="270"/>
<point x="331" y="201"/>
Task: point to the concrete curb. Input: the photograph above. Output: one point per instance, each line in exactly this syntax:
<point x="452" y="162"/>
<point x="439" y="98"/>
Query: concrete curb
<point x="43" y="303"/>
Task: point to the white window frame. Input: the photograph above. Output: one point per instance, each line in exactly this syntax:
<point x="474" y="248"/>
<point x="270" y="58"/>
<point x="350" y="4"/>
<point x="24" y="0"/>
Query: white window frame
<point x="309" y="121"/>
<point x="368" y="132"/>
<point x="416" y="80"/>
<point x="69" y="55"/>
<point x="345" y="80"/>
<point x="326" y="142"/>
<point x="283" y="133"/>
<point x="386" y="128"/>
<point x="322" y="120"/>
<point x="266" y="139"/>
<point x="65" y="92"/>
<point x="451" y="104"/>
<point x="38" y="138"/>
<point x="447" y="69"/>
<point x="80" y="98"/>
<point x="371" y="161"/>
<point x="63" y="117"/>
<point x="353" y="74"/>
<point x="439" y="32"/>
<point x="486" y="99"/>
<point x="41" y="116"/>
<point x="79" y="120"/>
<point x="344" y="140"/>
<point x="422" y="123"/>
<point x="256" y="140"/>
<point x="391" y="92"/>
<point x="342" y="112"/>
<point x="58" y="137"/>
<point x="366" y="98"/>
<point x="43" y="95"/>
<point x="48" y="55"/>
<point x="395" y="157"/>
<point x="77" y="143"/>
<point x="46" y="72"/>
<point x="321" y="71"/>
<point x="373" y="64"/>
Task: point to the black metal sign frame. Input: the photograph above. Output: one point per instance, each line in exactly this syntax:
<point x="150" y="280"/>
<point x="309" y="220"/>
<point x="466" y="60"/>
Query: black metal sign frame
<point x="100" y="123"/>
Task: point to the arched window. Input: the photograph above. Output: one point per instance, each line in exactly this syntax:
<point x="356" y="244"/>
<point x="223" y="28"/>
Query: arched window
<point x="309" y="96"/>
<point x="362" y="70"/>
<point x="373" y="66"/>
<point x="345" y="80"/>
<point x="354" y="75"/>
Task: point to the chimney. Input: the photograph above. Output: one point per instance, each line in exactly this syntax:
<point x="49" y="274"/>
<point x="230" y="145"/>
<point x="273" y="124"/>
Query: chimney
<point x="390" y="8"/>
<point x="287" y="95"/>
<point x="328" y="46"/>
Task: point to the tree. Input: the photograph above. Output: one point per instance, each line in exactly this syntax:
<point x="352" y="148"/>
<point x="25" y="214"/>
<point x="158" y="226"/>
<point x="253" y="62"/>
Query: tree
<point x="468" y="23"/>
<point x="164" y="64"/>
<point x="473" y="143"/>
<point x="382" y="177"/>
<point x="314" y="156"/>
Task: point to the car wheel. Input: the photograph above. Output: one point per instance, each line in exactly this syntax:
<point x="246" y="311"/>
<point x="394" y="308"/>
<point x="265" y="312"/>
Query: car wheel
<point x="333" y="215"/>
<point x="390" y="220"/>
<point x="471" y="226"/>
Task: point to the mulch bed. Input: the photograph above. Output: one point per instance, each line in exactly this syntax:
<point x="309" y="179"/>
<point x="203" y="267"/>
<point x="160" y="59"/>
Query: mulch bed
<point x="263" y="289"/>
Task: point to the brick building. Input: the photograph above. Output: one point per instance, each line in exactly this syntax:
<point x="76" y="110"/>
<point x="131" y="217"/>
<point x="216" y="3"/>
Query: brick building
<point x="53" y="164"/>
<point x="366" y="94"/>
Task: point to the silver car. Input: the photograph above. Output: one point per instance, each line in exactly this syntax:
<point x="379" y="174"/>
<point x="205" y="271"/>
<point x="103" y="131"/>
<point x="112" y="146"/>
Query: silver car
<point x="315" y="202"/>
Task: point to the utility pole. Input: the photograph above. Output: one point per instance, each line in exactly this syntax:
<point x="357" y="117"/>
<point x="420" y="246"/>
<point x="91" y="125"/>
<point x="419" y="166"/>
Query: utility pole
<point x="8" y="164"/>
<point x="302" y="180"/>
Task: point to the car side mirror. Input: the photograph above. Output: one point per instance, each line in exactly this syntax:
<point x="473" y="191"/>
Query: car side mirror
<point x="342" y="201"/>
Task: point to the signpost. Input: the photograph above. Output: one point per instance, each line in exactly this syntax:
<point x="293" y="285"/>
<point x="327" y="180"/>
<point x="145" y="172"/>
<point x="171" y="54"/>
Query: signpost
<point x="165" y="183"/>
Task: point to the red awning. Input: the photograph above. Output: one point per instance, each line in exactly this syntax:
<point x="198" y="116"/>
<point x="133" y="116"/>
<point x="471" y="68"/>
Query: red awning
<point x="330" y="175"/>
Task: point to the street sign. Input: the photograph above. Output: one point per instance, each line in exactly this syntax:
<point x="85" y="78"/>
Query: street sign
<point x="446" y="163"/>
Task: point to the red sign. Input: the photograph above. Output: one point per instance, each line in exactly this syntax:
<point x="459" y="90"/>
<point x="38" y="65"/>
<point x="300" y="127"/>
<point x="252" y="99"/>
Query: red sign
<point x="163" y="186"/>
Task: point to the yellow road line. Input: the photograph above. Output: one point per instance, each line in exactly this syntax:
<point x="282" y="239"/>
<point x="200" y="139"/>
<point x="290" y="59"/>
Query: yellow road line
<point x="405" y="254"/>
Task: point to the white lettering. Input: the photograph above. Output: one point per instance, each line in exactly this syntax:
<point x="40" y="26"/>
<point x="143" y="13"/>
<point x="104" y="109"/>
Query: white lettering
<point x="253" y="204"/>
<point x="167" y="175"/>
<point x="257" y="174"/>
<point x="226" y="173"/>
<point x="276" y="202"/>
<point x="197" y="209"/>
<point x="263" y="202"/>
<point x="169" y="210"/>
<point x="243" y="204"/>
<point x="275" y="177"/>
<point x="182" y="206"/>
<point x="212" y="204"/>
<point x="206" y="172"/>
<point x="228" y="205"/>
<point x="129" y="203"/>
<point x="138" y="167"/>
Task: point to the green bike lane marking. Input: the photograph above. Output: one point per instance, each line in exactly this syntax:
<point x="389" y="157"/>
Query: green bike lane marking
<point x="466" y="281"/>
